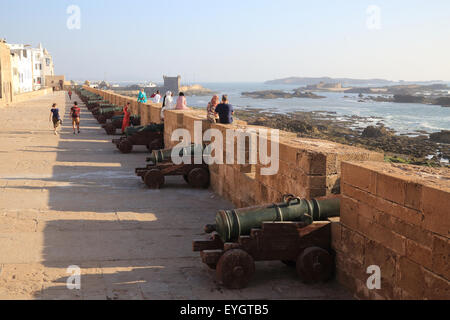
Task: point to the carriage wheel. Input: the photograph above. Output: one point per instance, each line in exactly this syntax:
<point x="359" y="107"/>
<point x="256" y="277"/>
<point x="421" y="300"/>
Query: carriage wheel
<point x="154" y="179"/>
<point x="110" y="129"/>
<point x="314" y="264"/>
<point x="125" y="146"/>
<point x="235" y="269"/>
<point x="198" y="178"/>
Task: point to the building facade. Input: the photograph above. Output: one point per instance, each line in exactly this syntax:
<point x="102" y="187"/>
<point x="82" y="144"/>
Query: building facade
<point x="6" y="86"/>
<point x="21" y="68"/>
<point x="42" y="67"/>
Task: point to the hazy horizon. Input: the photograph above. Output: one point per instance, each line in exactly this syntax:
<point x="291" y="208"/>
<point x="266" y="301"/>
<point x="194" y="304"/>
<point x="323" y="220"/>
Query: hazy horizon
<point x="236" y="41"/>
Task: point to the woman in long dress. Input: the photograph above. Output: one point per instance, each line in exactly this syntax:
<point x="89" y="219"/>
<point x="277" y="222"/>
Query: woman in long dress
<point x="126" y="117"/>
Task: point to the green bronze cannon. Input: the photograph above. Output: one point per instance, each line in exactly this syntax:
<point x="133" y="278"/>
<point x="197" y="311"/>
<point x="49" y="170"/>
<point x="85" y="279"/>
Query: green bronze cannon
<point x="230" y="224"/>
<point x="107" y="112"/>
<point x="296" y="232"/>
<point x="194" y="172"/>
<point x="116" y="123"/>
<point x="166" y="155"/>
<point x="151" y="136"/>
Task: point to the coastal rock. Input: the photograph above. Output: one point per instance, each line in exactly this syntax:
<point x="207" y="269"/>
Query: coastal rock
<point x="374" y="132"/>
<point x="196" y="90"/>
<point x="279" y="94"/>
<point x="441" y="137"/>
<point x="408" y="99"/>
<point x="443" y="101"/>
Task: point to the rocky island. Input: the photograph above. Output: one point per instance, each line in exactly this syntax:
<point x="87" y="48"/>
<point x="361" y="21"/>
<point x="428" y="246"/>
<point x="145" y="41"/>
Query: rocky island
<point x="196" y="90"/>
<point x="279" y="94"/>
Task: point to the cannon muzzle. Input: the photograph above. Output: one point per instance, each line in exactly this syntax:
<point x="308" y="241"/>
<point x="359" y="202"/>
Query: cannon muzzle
<point x="230" y="224"/>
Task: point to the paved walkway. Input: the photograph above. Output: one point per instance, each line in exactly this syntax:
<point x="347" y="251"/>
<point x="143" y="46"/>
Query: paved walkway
<point x="74" y="200"/>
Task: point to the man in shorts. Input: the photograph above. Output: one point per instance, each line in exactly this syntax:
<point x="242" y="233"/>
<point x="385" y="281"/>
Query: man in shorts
<point x="55" y="118"/>
<point x="75" y="114"/>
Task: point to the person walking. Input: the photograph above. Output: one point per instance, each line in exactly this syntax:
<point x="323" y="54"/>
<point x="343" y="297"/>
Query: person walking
<point x="167" y="103"/>
<point x="55" y="118"/>
<point x="70" y="94"/>
<point x="181" y="102"/>
<point x="75" y="112"/>
<point x="126" y="117"/>
<point x="211" y="114"/>
<point x="142" y="97"/>
<point x="225" y="111"/>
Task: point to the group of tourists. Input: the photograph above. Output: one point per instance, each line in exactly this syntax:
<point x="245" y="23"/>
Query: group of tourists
<point x="218" y="111"/>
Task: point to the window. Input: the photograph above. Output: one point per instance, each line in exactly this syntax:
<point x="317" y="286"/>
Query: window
<point x="40" y="66"/>
<point x="47" y="62"/>
<point x="25" y="53"/>
<point x="39" y="80"/>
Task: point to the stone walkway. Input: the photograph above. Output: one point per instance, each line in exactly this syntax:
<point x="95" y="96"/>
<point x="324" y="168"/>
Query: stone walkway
<point x="74" y="200"/>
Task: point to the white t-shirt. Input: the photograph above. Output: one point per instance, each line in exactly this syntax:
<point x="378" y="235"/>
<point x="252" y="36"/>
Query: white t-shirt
<point x="157" y="98"/>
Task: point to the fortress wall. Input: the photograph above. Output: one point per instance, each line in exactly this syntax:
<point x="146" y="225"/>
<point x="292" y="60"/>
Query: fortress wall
<point x="31" y="95"/>
<point x="396" y="217"/>
<point x="149" y="112"/>
<point x="392" y="216"/>
<point x="307" y="168"/>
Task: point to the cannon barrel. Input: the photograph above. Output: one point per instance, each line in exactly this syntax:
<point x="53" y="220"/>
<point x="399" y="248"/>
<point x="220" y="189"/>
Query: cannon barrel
<point x="108" y="109"/>
<point x="158" y="156"/>
<point x="153" y="127"/>
<point x="230" y="224"/>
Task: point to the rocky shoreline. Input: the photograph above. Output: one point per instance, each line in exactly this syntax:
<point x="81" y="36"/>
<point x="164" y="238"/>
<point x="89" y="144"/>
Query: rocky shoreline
<point x="422" y="149"/>
<point x="279" y="94"/>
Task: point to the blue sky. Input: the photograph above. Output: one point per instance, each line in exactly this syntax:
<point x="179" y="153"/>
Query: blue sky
<point x="220" y="41"/>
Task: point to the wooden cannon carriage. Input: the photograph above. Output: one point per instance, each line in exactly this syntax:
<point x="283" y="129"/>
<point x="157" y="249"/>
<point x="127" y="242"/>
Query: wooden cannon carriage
<point x="151" y="136"/>
<point x="196" y="175"/>
<point x="234" y="243"/>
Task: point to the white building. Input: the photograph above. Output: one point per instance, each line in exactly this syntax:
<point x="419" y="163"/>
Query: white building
<point x="42" y="66"/>
<point x="21" y="68"/>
